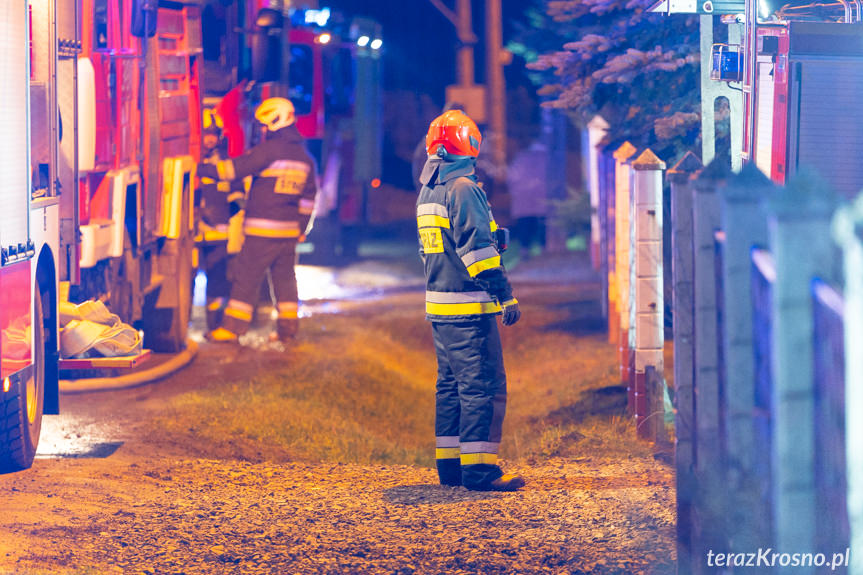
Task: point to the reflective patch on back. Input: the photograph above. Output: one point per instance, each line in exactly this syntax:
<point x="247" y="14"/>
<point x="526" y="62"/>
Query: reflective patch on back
<point x="290" y="176"/>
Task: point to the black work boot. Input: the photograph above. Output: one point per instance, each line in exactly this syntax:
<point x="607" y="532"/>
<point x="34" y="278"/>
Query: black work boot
<point x="506" y="482"/>
<point x="449" y="472"/>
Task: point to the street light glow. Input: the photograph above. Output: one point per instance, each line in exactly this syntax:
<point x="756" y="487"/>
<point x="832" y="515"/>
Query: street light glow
<point x="363" y="41"/>
<point x="377" y="43"/>
<point x="325" y="38"/>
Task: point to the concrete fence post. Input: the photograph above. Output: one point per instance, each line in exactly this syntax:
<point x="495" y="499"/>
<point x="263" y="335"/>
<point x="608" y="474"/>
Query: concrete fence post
<point x="607" y="164"/>
<point x="848" y="231"/>
<point x="705" y="222"/>
<point x="606" y="210"/>
<point x="799" y="235"/>
<point x="596" y="130"/>
<point x="683" y="277"/>
<point x="649" y="305"/>
<point x="622" y="257"/>
<point x="708" y="527"/>
<point x="744" y="222"/>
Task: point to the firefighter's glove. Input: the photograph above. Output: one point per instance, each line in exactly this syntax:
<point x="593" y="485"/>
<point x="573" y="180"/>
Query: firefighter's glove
<point x="511" y="312"/>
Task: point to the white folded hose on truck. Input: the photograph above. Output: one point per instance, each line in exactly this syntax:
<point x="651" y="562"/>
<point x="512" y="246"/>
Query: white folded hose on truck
<point x="89" y="329"/>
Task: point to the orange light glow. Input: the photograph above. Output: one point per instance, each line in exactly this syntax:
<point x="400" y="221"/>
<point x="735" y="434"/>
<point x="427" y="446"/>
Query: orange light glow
<point x="376" y="183"/>
<point x="325" y="38"/>
<point x="6" y="385"/>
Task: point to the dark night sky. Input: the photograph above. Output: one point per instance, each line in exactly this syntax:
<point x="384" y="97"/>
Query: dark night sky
<point x="420" y="43"/>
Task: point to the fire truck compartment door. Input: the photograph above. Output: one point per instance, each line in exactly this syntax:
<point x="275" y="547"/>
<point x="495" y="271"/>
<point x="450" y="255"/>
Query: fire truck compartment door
<point x="86" y="115"/>
<point x="829" y="137"/>
<point x="14" y="149"/>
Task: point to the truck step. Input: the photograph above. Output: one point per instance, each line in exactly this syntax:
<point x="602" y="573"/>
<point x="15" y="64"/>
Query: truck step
<point x="125" y="362"/>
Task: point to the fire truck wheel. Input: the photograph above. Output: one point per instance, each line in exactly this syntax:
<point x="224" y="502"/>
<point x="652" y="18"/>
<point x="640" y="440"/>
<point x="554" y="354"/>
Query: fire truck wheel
<point x="21" y="407"/>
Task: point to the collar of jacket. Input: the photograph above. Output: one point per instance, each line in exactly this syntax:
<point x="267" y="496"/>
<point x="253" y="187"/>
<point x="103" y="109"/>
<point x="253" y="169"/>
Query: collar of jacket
<point x="438" y="170"/>
<point x="289" y="134"/>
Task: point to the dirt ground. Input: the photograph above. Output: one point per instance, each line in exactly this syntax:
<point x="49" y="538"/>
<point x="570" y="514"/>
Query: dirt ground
<point x="318" y="458"/>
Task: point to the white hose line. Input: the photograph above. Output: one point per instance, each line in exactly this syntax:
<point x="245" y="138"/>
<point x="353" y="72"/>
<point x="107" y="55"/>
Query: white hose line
<point x="176" y="363"/>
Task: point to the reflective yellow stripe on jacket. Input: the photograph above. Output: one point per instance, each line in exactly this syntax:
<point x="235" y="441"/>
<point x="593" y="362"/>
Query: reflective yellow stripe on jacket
<point x="432" y="216"/>
<point x="264" y="228"/>
<point x="218" y="233"/>
<point x="480" y="260"/>
<point x="460" y="303"/>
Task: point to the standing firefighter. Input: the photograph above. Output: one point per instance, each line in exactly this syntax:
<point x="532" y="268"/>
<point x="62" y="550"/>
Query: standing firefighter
<point x="466" y="287"/>
<point x="278" y="209"/>
<point x="217" y="202"/>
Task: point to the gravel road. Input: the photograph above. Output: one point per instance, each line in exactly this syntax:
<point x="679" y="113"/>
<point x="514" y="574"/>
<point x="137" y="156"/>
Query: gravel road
<point x="112" y="493"/>
<point x="211" y="516"/>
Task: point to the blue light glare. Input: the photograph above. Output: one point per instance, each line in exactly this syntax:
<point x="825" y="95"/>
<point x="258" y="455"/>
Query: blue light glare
<point x="318" y="17"/>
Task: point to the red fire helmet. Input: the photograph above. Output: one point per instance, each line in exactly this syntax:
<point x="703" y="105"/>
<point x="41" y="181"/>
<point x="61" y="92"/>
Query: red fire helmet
<point x="456" y="132"/>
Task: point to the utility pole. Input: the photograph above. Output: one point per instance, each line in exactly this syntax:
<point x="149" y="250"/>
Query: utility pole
<point x="466" y="40"/>
<point x="466" y="93"/>
<point x="496" y="84"/>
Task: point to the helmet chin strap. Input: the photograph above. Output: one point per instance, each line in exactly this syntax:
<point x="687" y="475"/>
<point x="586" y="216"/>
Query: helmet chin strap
<point x="447" y="157"/>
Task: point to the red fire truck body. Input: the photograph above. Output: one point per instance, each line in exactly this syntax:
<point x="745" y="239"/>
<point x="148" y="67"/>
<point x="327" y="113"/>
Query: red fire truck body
<point x="100" y="130"/>
<point x="803" y="113"/>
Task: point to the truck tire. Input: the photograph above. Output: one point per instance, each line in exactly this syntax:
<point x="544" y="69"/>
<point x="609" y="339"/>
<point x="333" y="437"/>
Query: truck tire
<point x="21" y="407"/>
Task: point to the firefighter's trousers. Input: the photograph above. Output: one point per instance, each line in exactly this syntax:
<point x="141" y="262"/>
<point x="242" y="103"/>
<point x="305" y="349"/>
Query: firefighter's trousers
<point x="470" y="401"/>
<point x="213" y="259"/>
<point x="249" y="269"/>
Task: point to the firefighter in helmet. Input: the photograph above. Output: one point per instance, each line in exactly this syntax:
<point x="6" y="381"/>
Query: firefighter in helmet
<point x="217" y="201"/>
<point x="278" y="210"/>
<point x="466" y="288"/>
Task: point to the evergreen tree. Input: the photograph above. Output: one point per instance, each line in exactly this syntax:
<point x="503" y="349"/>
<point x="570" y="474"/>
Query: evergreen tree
<point x="612" y="57"/>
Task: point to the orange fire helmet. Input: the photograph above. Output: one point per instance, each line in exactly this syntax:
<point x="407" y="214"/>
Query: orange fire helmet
<point x="457" y="134"/>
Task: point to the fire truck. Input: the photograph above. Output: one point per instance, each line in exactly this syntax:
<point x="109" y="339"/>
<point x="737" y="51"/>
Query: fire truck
<point x="100" y="129"/>
<point x="330" y="68"/>
<point x="805" y="81"/>
<point x="797" y="68"/>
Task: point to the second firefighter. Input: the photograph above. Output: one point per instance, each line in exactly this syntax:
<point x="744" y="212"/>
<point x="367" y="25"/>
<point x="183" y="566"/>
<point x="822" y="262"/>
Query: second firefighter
<point x="278" y="210"/>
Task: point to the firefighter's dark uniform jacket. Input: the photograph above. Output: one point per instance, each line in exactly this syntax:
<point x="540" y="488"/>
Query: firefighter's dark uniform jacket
<point x="213" y="208"/>
<point x="465" y="287"/>
<point x="282" y="196"/>
<point x="278" y="209"/>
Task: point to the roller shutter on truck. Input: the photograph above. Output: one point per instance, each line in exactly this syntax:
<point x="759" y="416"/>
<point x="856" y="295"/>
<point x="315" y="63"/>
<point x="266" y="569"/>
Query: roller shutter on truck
<point x="14" y="145"/>
<point x="826" y="97"/>
<point x="830" y="126"/>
